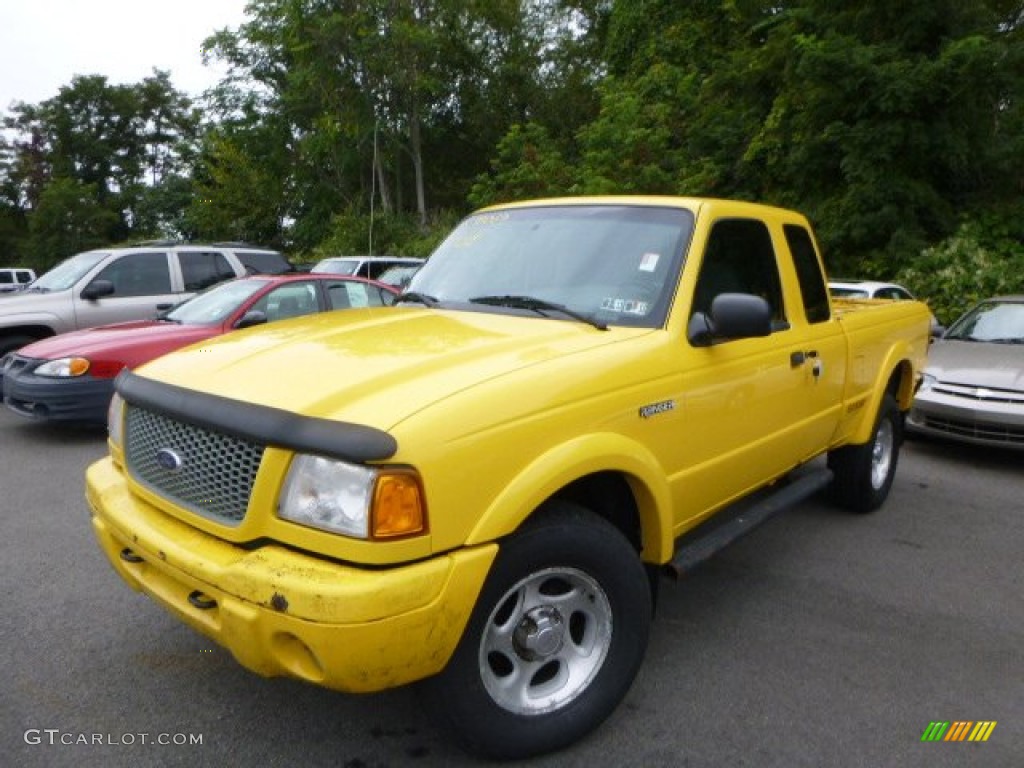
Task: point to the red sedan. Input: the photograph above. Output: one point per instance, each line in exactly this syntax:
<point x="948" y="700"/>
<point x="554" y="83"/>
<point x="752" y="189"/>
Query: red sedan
<point x="70" y="377"/>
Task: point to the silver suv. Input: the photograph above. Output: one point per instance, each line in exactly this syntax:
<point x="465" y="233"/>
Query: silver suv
<point x="118" y="284"/>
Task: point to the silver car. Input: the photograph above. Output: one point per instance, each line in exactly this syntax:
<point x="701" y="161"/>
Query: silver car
<point x="973" y="387"/>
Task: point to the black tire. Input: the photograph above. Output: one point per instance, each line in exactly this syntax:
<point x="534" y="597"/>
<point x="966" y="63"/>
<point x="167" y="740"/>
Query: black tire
<point x="554" y="642"/>
<point x="11" y="343"/>
<point x="864" y="473"/>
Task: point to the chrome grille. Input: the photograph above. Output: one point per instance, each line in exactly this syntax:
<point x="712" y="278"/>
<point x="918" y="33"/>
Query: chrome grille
<point x="983" y="394"/>
<point x="206" y="472"/>
<point x="1002" y="433"/>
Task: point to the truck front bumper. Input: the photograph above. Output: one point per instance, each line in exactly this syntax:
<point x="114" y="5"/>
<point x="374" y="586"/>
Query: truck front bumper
<point x="282" y="612"/>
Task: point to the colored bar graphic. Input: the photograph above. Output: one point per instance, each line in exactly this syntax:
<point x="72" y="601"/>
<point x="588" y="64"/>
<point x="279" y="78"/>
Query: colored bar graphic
<point x="958" y="730"/>
<point x="982" y="731"/>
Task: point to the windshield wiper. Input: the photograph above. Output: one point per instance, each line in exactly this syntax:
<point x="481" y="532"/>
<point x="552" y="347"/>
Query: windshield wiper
<point x="540" y="306"/>
<point x="419" y="298"/>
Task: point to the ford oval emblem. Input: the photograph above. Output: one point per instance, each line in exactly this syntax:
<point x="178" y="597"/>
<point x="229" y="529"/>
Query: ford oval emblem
<point x="168" y="460"/>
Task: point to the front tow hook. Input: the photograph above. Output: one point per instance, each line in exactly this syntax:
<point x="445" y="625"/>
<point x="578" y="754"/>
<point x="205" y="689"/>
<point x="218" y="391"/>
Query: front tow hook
<point x="130" y="557"/>
<point x="201" y="601"/>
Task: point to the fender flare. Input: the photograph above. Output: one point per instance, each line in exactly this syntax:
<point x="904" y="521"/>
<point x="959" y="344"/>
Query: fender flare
<point x="13" y="322"/>
<point x="898" y="361"/>
<point x="567" y="462"/>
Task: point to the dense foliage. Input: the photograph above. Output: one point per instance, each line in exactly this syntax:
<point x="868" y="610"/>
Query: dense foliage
<point x="370" y="125"/>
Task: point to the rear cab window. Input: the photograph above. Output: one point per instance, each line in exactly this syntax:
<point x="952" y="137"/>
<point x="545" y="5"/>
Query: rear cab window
<point x="813" y="287"/>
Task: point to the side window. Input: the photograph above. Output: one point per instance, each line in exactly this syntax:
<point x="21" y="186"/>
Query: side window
<point x="264" y="262"/>
<point x="739" y="258"/>
<point x="201" y="269"/>
<point x="346" y="294"/>
<point x="138" y="274"/>
<point x="892" y="293"/>
<point x="813" y="288"/>
<point x="6" y="278"/>
<point x="291" y="300"/>
<point x="375" y="269"/>
<point x="24" y="277"/>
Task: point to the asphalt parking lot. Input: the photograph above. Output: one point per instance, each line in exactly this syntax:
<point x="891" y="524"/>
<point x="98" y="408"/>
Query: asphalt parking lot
<point x="822" y="639"/>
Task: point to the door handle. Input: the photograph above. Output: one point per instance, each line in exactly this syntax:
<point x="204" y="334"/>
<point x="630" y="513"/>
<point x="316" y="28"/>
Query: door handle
<point x="798" y="358"/>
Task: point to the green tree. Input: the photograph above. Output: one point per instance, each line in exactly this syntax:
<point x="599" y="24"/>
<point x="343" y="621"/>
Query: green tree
<point x="69" y="218"/>
<point x="130" y="146"/>
<point x="396" y="107"/>
<point x="886" y="123"/>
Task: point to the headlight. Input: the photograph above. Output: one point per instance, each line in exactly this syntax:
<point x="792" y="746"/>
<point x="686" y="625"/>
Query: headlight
<point x="115" y="420"/>
<point x="362" y="502"/>
<point x="62" y="368"/>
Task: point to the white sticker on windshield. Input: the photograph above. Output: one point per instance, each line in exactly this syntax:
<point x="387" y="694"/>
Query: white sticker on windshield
<point x="625" y="306"/>
<point x="649" y="262"/>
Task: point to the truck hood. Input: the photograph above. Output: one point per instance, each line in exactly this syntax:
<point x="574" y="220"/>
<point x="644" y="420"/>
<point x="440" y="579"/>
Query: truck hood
<point x="374" y="366"/>
<point x="120" y="341"/>
<point x="29" y="305"/>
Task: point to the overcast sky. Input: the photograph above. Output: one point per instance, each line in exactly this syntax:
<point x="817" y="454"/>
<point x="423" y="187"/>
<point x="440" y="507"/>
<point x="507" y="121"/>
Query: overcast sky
<point x="45" y="43"/>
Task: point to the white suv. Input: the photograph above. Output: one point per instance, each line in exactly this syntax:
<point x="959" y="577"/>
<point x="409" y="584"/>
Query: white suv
<point x="15" y="278"/>
<point x="118" y="284"/>
<point x="371" y="267"/>
<point x="844" y="288"/>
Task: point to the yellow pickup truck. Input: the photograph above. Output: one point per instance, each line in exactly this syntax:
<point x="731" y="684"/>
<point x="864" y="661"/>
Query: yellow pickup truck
<point x="479" y="487"/>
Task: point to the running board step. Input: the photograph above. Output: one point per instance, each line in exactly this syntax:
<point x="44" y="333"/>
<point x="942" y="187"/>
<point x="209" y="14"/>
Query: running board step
<point x="731" y="523"/>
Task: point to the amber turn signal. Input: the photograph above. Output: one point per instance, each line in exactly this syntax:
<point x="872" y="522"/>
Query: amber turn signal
<point x="399" y="508"/>
<point x="77" y="366"/>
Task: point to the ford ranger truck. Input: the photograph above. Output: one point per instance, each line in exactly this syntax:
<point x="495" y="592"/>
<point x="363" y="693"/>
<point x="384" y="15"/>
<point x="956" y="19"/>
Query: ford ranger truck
<point x="478" y="488"/>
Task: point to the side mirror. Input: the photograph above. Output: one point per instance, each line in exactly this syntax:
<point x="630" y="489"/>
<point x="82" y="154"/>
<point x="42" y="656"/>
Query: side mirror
<point x="251" y="318"/>
<point x="732" y="316"/>
<point x="97" y="289"/>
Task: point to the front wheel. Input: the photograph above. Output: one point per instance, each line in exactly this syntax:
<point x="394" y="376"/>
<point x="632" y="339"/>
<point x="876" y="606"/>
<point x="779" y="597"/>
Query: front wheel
<point x="554" y="642"/>
<point x="864" y="473"/>
<point x="12" y="343"/>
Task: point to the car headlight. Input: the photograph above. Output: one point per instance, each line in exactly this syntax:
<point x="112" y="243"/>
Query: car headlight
<point x="115" y="420"/>
<point x="63" y="368"/>
<point x="353" y="500"/>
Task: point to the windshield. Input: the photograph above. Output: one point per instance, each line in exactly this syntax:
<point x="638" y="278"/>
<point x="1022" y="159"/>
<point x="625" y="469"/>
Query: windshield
<point x="68" y="272"/>
<point x="992" y="321"/>
<point x="213" y="305"/>
<point x="612" y="264"/>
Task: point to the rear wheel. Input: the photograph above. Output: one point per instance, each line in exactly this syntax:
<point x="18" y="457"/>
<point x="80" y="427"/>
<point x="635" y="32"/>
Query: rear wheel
<point x="554" y="642"/>
<point x="864" y="473"/>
